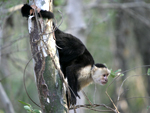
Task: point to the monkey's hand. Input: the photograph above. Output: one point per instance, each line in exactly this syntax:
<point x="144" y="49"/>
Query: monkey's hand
<point x="28" y="10"/>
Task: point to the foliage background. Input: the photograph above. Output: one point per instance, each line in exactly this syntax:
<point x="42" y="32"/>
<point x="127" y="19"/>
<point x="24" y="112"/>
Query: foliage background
<point x="116" y="36"/>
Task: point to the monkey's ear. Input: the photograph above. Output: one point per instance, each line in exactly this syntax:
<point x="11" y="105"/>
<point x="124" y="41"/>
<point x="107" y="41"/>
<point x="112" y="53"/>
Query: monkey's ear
<point x="94" y="68"/>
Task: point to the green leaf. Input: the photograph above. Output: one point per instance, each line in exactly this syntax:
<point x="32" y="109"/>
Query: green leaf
<point x="121" y="74"/>
<point x="112" y="74"/>
<point x="24" y="103"/>
<point x="36" y="111"/>
<point x="148" y="71"/>
<point x="27" y="108"/>
<point x="117" y="70"/>
<point x="115" y="73"/>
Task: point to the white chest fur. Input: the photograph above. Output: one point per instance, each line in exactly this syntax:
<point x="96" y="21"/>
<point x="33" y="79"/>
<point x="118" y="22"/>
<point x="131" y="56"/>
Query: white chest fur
<point x="85" y="76"/>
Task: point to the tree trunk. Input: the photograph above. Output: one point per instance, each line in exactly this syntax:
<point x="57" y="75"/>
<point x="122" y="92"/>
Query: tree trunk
<point x="121" y="55"/>
<point x="142" y="36"/>
<point x="75" y="19"/>
<point x="128" y="30"/>
<point x="45" y="55"/>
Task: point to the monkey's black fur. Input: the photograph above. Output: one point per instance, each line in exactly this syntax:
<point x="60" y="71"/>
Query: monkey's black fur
<point x="73" y="56"/>
<point x="25" y="10"/>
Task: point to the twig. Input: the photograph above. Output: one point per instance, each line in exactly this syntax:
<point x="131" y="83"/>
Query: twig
<point x="98" y="110"/>
<point x="74" y="109"/>
<point x="37" y="22"/>
<point x="109" y="96"/>
<point x="130" y="76"/>
<point x="139" y="17"/>
<point x="94" y="105"/>
<point x="12" y="9"/>
<point x="12" y="42"/>
<point x="112" y="102"/>
<point x="87" y="98"/>
<point x="143" y="66"/>
<point x="122" y="86"/>
<point x="5" y="102"/>
<point x="24" y="81"/>
<point x="119" y="5"/>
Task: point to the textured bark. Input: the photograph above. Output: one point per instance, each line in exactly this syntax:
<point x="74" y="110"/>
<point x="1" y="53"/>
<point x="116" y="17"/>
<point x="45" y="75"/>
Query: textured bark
<point x="49" y="84"/>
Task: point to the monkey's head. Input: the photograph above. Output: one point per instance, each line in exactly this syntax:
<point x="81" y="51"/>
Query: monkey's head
<point x="100" y="74"/>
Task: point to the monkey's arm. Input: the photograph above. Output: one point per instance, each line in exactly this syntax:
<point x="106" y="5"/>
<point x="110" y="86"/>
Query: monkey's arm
<point x="27" y="10"/>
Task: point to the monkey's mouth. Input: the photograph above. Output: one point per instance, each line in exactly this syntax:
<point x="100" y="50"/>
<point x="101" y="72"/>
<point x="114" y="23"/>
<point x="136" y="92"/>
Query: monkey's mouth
<point x="103" y="82"/>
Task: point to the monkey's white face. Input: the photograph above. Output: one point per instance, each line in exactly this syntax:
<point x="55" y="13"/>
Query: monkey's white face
<point x="100" y="75"/>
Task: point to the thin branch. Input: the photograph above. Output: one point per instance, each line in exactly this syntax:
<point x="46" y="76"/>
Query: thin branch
<point x="99" y="110"/>
<point x="24" y="81"/>
<point x="93" y="106"/>
<point x="112" y="102"/>
<point x="119" y="5"/>
<point x="5" y="101"/>
<point x="109" y="96"/>
<point x="12" y="42"/>
<point x="74" y="109"/>
<point x="126" y="7"/>
<point x="12" y="9"/>
<point x="143" y="66"/>
<point x="137" y="16"/>
<point x="87" y="98"/>
<point x="122" y="83"/>
<point x="122" y="86"/>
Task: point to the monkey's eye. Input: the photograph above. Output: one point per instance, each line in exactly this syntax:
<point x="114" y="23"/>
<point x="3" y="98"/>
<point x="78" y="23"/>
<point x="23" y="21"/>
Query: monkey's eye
<point x="104" y="75"/>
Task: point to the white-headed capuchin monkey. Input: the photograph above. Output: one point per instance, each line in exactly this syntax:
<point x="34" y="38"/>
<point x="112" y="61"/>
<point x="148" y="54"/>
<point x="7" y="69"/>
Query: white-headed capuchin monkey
<point x="77" y="64"/>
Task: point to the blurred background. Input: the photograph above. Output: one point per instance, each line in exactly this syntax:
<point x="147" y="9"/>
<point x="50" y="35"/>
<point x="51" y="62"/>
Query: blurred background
<point x="116" y="32"/>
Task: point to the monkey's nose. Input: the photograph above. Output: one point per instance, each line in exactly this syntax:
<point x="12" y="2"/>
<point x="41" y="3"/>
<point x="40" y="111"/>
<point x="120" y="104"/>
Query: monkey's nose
<point x="106" y="80"/>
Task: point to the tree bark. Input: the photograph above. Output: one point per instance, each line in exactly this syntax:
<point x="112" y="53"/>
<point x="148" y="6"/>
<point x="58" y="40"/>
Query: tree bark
<point x="45" y="55"/>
